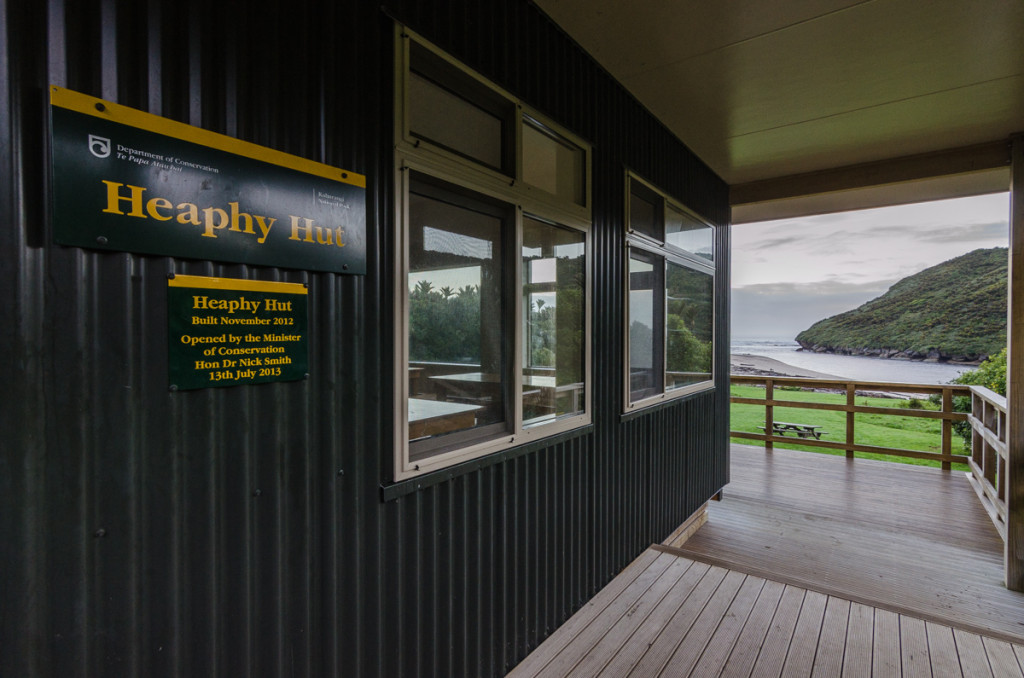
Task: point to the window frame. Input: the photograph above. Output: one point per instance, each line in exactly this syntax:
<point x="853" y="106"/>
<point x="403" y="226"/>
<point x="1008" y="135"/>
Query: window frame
<point x="667" y="253"/>
<point x="416" y="158"/>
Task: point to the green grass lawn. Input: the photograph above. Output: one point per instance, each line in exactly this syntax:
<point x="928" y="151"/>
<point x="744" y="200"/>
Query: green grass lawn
<point x="908" y="433"/>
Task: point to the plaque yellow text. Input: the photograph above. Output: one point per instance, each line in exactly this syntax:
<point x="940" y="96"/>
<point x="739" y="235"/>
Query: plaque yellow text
<point x="132" y="201"/>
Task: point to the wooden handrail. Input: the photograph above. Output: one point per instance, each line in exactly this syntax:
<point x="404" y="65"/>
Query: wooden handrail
<point x="989" y="453"/>
<point x="850" y="388"/>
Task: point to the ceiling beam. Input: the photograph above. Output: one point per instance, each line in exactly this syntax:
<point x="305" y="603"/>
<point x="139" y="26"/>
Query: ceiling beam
<point x="964" y="160"/>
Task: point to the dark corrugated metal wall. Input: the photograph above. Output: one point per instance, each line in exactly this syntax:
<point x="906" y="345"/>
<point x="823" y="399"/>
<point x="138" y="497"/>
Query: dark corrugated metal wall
<point x="241" y="531"/>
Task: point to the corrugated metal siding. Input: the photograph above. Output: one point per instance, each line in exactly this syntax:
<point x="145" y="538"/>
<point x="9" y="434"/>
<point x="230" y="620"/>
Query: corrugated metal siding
<point x="241" y="531"/>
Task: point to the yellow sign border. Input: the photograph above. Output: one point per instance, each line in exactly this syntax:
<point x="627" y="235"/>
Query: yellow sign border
<point x="236" y="284"/>
<point x="106" y="110"/>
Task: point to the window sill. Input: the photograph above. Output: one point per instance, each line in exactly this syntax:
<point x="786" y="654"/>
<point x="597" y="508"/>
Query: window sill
<point x="409" y="486"/>
<point x="661" y="402"/>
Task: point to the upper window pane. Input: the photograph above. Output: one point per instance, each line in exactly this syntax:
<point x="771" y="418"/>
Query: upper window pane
<point x="689" y="233"/>
<point x="645" y="212"/>
<point x="644" y="325"/>
<point x="554" y="316"/>
<point x="446" y="119"/>
<point x="456" y="358"/>
<point x="553" y="164"/>
<point x="689" y="326"/>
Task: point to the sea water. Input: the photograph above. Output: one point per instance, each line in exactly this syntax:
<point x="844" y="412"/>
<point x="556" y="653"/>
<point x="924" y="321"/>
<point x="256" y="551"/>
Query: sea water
<point x="851" y="367"/>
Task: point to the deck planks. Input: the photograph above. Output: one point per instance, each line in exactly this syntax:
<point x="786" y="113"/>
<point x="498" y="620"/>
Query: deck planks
<point x="722" y="641"/>
<point x="828" y="657"/>
<point x="692" y="619"/>
<point x="630" y="652"/>
<point x="886" y="659"/>
<point x="678" y="612"/>
<point x="1001" y="658"/>
<point x="971" y="651"/>
<point x="942" y="651"/>
<point x="751" y="639"/>
<point x="914" y="648"/>
<point x="802" y="647"/>
<point x="589" y="660"/>
<point x="859" y="641"/>
<point x="906" y="538"/>
<point x="780" y="633"/>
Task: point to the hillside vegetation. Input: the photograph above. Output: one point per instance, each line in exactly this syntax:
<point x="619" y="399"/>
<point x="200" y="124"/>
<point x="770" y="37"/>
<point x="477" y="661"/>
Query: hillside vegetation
<point x="953" y="311"/>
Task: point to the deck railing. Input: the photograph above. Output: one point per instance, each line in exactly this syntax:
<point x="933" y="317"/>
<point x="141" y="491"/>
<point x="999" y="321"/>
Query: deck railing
<point x="851" y="388"/>
<point x="989" y="453"/>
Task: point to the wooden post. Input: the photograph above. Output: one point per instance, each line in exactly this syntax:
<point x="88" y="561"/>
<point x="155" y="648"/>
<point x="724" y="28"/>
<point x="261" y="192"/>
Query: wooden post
<point x="851" y="402"/>
<point x="769" y="414"/>
<point x="1014" y="549"/>
<point x="947" y="427"/>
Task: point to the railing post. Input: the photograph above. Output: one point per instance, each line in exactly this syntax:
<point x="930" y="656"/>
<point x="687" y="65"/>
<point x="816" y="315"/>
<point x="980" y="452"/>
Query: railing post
<point x="1014" y="553"/>
<point x="947" y="427"/>
<point x="769" y="414"/>
<point x="851" y="402"/>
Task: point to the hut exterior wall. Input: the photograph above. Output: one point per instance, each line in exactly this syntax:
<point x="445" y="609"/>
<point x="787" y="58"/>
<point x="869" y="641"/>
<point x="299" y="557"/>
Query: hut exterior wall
<point x="248" y="530"/>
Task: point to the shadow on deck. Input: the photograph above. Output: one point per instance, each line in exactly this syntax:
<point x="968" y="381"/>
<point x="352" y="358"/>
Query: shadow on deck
<point x="810" y="563"/>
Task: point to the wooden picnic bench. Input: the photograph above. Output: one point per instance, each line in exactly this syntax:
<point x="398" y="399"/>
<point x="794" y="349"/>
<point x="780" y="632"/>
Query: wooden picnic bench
<point x="782" y="428"/>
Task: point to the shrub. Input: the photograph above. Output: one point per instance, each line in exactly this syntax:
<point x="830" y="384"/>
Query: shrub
<point x="992" y="375"/>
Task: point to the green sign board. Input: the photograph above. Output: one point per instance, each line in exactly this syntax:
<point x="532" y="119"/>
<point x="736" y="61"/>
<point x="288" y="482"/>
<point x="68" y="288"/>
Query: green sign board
<point x="130" y="181"/>
<point x="230" y="332"/>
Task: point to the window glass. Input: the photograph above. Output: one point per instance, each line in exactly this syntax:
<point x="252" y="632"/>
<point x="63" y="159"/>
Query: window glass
<point x="553" y="164"/>
<point x="643" y="216"/>
<point x="554" y="316"/>
<point x="644" y="325"/>
<point x="646" y="211"/>
<point x="438" y="115"/>
<point x="456" y="358"/>
<point x="689" y="326"/>
<point x="689" y="233"/>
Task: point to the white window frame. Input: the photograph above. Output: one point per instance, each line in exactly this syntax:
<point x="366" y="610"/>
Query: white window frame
<point x="668" y="254"/>
<point x="420" y="156"/>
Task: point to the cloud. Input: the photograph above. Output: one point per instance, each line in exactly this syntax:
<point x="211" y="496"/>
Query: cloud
<point x="776" y="242"/>
<point x="997" y="231"/>
<point x="833" y="286"/>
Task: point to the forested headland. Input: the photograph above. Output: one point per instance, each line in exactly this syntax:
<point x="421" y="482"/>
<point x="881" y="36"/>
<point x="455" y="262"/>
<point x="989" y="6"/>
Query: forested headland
<point x="954" y="311"/>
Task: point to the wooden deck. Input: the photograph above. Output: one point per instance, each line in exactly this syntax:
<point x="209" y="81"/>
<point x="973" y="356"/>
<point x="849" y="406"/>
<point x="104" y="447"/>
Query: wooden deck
<point x="811" y="565"/>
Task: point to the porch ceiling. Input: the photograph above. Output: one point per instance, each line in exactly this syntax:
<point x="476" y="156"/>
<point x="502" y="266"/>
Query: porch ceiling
<point x="762" y="91"/>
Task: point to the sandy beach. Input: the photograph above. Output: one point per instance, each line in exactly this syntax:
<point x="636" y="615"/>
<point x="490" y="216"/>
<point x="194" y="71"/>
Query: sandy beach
<point x="760" y="366"/>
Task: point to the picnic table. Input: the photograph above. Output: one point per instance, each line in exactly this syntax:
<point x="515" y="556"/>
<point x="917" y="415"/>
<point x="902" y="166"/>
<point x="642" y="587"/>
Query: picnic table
<point x="782" y="428"/>
<point x="431" y="417"/>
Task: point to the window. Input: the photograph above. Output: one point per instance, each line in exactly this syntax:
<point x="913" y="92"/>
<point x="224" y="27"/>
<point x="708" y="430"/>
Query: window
<point x="554" y="322"/>
<point x="492" y="315"/>
<point x="553" y="163"/>
<point x="451" y="109"/>
<point x="670" y="331"/>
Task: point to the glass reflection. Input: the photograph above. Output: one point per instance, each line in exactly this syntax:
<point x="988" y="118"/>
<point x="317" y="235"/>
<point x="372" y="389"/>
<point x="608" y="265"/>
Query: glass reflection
<point x="554" y="315"/>
<point x="689" y="326"/>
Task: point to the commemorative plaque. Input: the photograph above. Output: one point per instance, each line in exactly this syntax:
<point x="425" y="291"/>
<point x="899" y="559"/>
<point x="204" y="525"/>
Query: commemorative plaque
<point x="227" y="332"/>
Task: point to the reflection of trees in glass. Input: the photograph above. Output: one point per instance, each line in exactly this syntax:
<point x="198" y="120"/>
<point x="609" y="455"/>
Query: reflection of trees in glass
<point x="556" y="333"/>
<point x="569" y="321"/>
<point x="689" y="320"/>
<point x="542" y="334"/>
<point x="444" y="326"/>
<point x="686" y="353"/>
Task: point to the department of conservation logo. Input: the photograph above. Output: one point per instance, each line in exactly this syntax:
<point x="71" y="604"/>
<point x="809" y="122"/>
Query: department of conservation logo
<point x="99" y="146"/>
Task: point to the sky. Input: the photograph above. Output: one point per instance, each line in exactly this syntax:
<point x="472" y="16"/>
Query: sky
<point x="790" y="273"/>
